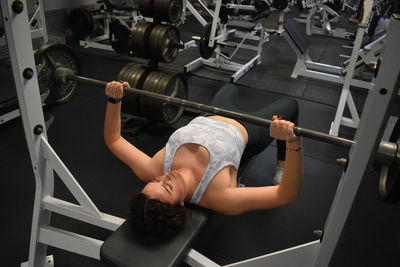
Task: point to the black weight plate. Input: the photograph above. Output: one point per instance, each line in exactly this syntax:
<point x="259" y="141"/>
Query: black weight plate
<point x="168" y="10"/>
<point x="280" y="4"/>
<point x="139" y="41"/>
<point x="47" y="59"/>
<point x="130" y="101"/>
<point x="81" y="22"/>
<point x="176" y="87"/>
<point x="156" y="107"/>
<point x="160" y="41"/>
<point x="146" y="103"/>
<point x="389" y="183"/>
<point x="140" y="77"/>
<point x="122" y="72"/>
<point x="205" y="51"/>
<point x="155" y="42"/>
<point x="146" y="8"/>
<point x="170" y="85"/>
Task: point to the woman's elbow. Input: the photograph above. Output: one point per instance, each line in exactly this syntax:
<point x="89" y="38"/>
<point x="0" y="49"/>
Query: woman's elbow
<point x="290" y="199"/>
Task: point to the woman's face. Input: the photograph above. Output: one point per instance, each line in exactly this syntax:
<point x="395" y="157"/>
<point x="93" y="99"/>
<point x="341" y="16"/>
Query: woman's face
<point x="166" y="188"/>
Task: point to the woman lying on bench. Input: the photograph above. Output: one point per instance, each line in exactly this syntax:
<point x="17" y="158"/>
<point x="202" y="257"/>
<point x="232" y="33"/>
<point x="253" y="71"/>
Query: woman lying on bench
<point x="200" y="161"/>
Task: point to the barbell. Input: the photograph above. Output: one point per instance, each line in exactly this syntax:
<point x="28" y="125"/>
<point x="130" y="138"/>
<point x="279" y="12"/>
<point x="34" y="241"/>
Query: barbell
<point x="388" y="153"/>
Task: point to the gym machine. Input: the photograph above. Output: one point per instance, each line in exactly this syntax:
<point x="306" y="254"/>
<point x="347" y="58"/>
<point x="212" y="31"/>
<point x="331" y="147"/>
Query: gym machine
<point x="325" y="12"/>
<point x="367" y="56"/>
<point x="45" y="161"/>
<point x="217" y="34"/>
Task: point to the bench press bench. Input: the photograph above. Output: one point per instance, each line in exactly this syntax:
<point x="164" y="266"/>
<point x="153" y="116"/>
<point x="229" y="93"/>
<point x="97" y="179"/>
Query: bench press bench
<point x="127" y="247"/>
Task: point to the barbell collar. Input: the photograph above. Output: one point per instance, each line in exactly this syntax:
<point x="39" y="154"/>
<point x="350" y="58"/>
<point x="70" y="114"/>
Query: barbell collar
<point x="385" y="154"/>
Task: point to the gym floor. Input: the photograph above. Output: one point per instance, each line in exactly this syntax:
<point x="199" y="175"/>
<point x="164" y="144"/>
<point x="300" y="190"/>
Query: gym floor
<point x="371" y="236"/>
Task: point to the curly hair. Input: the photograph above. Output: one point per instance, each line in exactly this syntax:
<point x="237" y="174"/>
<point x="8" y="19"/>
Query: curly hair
<point x="152" y="215"/>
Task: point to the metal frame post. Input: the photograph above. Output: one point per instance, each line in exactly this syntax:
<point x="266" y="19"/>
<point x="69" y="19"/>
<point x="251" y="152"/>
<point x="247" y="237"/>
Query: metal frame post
<point x="20" y="48"/>
<point x="371" y="127"/>
<point x="44" y="159"/>
<point x="345" y="96"/>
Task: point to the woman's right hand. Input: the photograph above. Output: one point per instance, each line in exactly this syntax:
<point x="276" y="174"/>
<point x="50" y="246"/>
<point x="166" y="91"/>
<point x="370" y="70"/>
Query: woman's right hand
<point x="116" y="89"/>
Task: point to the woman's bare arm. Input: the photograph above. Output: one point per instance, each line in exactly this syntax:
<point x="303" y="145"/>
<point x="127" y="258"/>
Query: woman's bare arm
<point x="238" y="200"/>
<point x="142" y="165"/>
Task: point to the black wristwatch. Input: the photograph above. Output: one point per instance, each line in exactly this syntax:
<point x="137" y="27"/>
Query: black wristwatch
<point x="114" y="100"/>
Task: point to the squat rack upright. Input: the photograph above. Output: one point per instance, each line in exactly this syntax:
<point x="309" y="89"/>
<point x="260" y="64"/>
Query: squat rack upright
<point x="45" y="160"/>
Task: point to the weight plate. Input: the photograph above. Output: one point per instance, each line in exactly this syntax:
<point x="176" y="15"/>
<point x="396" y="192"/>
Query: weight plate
<point x="150" y="85"/>
<point x="130" y="102"/>
<point x="146" y="8"/>
<point x="389" y="182"/>
<point x="205" y="51"/>
<point x="139" y="41"/>
<point x="122" y="72"/>
<point x="81" y="22"/>
<point x="161" y="42"/>
<point x="156" y="109"/>
<point x="169" y="84"/>
<point x="168" y="10"/>
<point x="176" y="87"/>
<point x="280" y="4"/>
<point x="47" y="59"/>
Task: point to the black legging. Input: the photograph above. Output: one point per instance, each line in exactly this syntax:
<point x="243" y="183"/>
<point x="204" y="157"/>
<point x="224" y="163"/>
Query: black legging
<point x="259" y="138"/>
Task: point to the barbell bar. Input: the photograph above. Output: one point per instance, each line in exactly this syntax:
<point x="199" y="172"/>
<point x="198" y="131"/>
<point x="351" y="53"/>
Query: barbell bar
<point x="386" y="151"/>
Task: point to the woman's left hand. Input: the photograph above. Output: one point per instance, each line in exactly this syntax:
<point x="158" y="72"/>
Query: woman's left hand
<point x="282" y="130"/>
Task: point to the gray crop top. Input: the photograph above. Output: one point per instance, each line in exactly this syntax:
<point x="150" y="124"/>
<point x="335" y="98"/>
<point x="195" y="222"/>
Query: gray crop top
<point x="223" y="141"/>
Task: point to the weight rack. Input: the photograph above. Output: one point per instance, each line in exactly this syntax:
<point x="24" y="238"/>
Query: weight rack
<point x="45" y="160"/>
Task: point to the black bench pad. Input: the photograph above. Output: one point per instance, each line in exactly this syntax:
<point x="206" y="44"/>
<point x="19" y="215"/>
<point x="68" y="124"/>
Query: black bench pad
<point x="127" y="247"/>
<point x="297" y="34"/>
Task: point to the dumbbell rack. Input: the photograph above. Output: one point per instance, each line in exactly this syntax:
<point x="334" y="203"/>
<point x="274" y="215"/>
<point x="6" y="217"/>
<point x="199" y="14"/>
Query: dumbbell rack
<point x="45" y="161"/>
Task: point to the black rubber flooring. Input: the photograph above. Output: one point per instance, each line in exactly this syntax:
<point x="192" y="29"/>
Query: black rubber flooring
<point x="371" y="237"/>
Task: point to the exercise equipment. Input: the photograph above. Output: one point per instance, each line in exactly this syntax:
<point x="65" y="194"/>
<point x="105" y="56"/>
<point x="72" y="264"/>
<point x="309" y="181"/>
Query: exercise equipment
<point x="157" y="42"/>
<point x="158" y="81"/>
<point x="389" y="182"/>
<point x="218" y="32"/>
<point x="162" y="10"/>
<point x="168" y="10"/>
<point x="164" y="43"/>
<point x="120" y="4"/>
<point x="81" y="22"/>
<point x="139" y="41"/>
<point x="46" y="162"/>
<point x="47" y="59"/>
<point x="51" y="57"/>
<point x="320" y="16"/>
